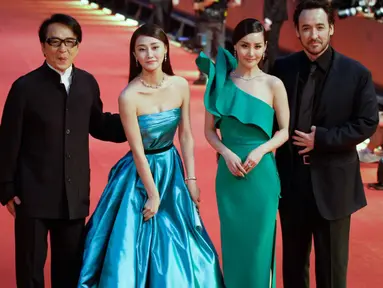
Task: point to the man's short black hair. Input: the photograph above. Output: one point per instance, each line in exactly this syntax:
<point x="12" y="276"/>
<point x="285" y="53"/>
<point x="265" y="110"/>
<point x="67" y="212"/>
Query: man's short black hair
<point x="62" y="19"/>
<point x="314" y="4"/>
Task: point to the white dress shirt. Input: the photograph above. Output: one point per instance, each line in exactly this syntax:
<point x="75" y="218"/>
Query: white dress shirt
<point x="66" y="77"/>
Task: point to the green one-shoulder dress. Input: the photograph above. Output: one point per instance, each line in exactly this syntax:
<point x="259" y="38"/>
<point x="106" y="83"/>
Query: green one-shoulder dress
<point x="247" y="206"/>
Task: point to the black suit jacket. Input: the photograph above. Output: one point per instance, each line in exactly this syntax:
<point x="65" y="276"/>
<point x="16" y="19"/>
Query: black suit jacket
<point x="345" y="114"/>
<point x="44" y="142"/>
<point x="275" y="10"/>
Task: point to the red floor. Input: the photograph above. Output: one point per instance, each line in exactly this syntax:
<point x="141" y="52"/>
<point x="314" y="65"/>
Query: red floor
<point x="105" y="53"/>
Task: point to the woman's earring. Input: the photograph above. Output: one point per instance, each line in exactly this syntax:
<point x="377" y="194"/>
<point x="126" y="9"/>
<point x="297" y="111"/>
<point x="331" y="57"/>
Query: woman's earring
<point x="165" y="58"/>
<point x="235" y="53"/>
<point x="136" y="62"/>
<point x="263" y="56"/>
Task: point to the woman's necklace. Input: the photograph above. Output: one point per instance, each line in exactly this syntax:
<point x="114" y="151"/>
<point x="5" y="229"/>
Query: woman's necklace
<point x="152" y="86"/>
<point x="234" y="74"/>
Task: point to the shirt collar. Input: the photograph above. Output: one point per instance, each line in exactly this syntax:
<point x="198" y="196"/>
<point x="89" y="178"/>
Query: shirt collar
<point x="324" y="61"/>
<point x="66" y="74"/>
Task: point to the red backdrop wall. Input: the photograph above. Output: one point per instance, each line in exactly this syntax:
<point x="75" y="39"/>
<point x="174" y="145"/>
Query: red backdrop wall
<point x="357" y="38"/>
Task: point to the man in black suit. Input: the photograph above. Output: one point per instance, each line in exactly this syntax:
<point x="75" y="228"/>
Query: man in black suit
<point x="211" y="16"/>
<point x="44" y="156"/>
<point x="274" y="13"/>
<point x="333" y="108"/>
<point x="162" y="12"/>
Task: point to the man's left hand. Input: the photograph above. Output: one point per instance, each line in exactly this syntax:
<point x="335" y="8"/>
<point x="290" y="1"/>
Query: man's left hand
<point x="305" y="140"/>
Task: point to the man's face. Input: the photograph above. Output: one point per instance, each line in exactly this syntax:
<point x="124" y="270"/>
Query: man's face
<point x="314" y="31"/>
<point x="61" y="46"/>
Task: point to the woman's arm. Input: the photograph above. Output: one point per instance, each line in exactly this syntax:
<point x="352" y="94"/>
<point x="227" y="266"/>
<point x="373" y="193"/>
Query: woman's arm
<point x="187" y="144"/>
<point x="233" y="162"/>
<point x="281" y="107"/>
<point x="282" y="111"/>
<point x="185" y="131"/>
<point x="212" y="137"/>
<point x="127" y="108"/>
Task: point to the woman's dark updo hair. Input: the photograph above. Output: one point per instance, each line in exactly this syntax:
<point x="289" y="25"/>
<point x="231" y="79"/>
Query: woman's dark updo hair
<point x="246" y="27"/>
<point x="150" y="31"/>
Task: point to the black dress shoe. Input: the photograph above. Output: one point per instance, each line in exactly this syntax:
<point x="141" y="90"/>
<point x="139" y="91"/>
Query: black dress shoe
<point x="375" y="186"/>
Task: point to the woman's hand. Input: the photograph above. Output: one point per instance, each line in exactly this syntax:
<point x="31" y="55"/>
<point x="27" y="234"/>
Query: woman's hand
<point x="234" y="164"/>
<point x="253" y="159"/>
<point x="151" y="207"/>
<point x="194" y="192"/>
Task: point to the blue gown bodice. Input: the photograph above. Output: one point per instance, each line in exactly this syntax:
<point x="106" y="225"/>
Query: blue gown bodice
<point x="158" y="129"/>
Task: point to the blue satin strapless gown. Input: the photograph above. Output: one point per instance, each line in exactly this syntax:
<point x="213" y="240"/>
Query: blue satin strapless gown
<point x="171" y="250"/>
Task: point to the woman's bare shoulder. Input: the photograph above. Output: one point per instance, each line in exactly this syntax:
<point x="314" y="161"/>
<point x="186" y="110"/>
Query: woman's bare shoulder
<point x="274" y="82"/>
<point x="179" y="82"/>
<point x="131" y="92"/>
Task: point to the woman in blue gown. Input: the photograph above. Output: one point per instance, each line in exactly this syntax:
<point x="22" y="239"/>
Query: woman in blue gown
<point x="146" y="231"/>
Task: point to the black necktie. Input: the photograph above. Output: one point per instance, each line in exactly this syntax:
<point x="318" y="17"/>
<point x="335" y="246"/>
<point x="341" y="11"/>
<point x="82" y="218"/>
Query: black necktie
<point x="307" y="100"/>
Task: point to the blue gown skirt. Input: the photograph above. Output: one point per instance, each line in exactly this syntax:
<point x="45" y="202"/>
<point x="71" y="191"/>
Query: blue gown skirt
<point x="170" y="250"/>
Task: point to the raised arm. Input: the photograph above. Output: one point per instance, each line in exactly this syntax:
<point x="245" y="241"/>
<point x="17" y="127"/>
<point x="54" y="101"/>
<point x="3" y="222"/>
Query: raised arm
<point x="127" y="108"/>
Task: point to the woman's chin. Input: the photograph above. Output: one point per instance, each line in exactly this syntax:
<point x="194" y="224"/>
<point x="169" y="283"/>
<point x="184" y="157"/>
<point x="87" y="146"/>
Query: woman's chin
<point x="249" y="65"/>
<point x="151" y="68"/>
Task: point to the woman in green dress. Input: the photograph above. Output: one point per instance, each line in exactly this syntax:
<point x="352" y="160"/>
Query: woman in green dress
<point x="241" y="101"/>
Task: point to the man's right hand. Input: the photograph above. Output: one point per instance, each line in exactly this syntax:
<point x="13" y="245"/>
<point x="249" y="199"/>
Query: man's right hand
<point x="11" y="205"/>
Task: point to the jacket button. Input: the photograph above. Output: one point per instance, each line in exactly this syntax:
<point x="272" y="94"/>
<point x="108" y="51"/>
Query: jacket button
<point x="68" y="179"/>
<point x="67" y="131"/>
<point x="67" y="155"/>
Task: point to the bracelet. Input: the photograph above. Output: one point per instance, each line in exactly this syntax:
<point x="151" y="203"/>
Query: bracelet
<point x="190" y="178"/>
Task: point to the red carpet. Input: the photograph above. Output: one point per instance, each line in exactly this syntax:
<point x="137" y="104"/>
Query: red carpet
<point x="105" y="53"/>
